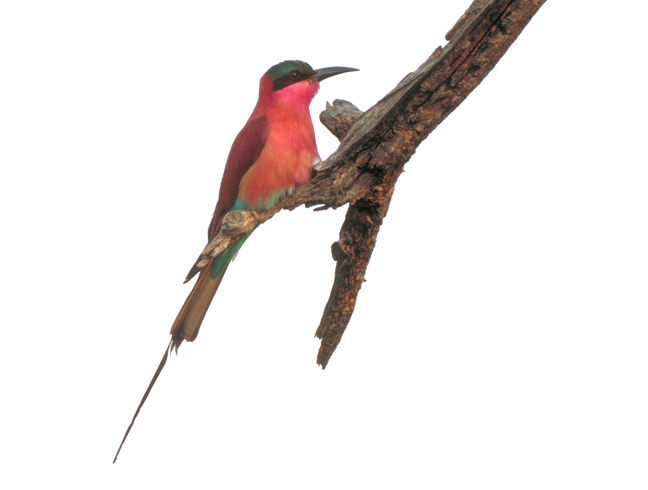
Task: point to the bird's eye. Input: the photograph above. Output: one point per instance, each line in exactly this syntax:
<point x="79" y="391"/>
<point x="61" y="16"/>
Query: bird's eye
<point x="294" y="74"/>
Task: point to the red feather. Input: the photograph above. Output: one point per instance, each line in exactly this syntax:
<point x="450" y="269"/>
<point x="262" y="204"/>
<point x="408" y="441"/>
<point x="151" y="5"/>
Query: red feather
<point x="245" y="150"/>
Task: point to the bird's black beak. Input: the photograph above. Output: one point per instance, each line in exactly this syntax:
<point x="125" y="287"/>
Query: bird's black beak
<point x="324" y="73"/>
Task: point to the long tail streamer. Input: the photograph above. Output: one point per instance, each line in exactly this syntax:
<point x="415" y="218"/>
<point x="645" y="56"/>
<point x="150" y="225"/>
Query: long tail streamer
<point x="148" y="390"/>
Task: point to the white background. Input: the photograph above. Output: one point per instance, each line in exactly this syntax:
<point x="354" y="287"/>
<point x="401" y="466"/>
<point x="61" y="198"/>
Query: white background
<point x="500" y="339"/>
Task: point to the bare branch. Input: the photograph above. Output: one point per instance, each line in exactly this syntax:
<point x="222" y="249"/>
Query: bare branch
<point x="363" y="170"/>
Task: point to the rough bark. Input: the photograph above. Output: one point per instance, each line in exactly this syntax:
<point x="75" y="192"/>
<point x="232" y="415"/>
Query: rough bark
<point x="376" y="145"/>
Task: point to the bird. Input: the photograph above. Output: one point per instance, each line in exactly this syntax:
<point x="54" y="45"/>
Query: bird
<point x="272" y="155"/>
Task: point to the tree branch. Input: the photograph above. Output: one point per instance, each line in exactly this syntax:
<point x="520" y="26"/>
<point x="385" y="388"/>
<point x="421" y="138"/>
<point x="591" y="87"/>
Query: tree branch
<point x="376" y="145"/>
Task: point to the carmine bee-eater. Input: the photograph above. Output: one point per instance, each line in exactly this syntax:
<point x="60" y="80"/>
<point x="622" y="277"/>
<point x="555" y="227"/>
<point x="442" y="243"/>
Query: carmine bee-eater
<point x="274" y="153"/>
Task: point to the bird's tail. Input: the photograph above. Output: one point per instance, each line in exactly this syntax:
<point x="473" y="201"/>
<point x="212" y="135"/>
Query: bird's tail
<point x="187" y="323"/>
<point x="185" y="327"/>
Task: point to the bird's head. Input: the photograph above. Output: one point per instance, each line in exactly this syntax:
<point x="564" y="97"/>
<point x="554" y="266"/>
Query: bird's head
<point x="296" y="81"/>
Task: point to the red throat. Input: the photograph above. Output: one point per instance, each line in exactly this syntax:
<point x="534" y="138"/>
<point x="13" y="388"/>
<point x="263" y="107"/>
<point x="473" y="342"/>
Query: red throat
<point x="297" y="96"/>
<point x="289" y="152"/>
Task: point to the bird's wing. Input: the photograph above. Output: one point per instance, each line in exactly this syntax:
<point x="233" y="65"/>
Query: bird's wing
<point x="245" y="150"/>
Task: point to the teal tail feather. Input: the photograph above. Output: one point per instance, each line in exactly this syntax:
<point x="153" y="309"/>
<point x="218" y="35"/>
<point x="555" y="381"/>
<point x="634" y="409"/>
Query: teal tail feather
<point x="227" y="255"/>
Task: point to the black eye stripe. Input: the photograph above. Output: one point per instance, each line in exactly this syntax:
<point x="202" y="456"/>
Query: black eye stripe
<point x="289" y="78"/>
